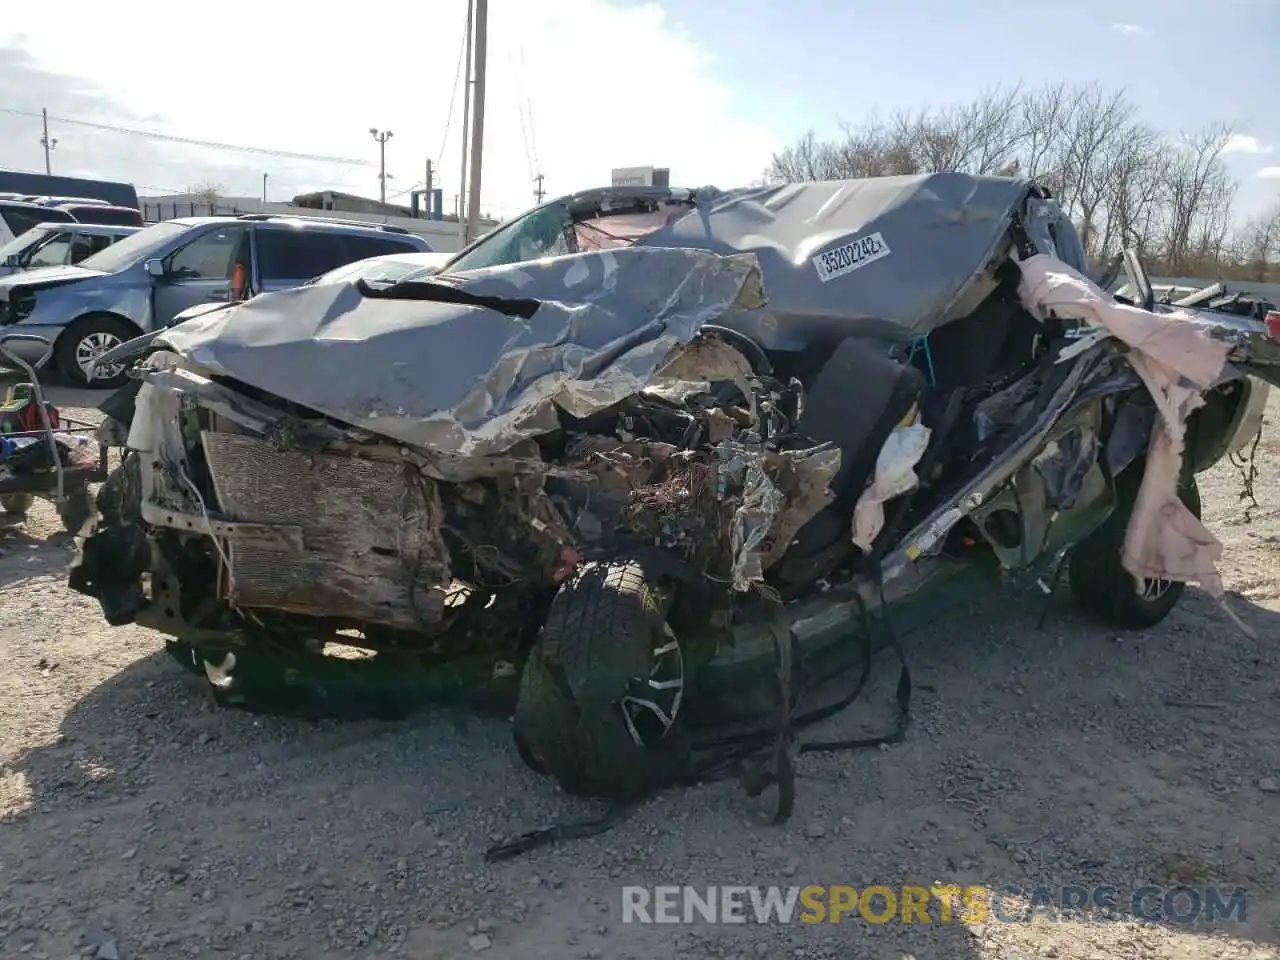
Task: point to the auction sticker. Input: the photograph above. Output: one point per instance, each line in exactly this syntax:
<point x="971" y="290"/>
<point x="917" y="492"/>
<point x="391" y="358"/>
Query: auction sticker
<point x="850" y="256"/>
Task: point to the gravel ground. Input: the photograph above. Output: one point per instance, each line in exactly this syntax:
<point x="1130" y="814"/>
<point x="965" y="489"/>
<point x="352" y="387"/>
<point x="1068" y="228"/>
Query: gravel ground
<point x="138" y="821"/>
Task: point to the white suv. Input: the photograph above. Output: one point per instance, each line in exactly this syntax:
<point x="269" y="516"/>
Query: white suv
<point x="57" y="245"/>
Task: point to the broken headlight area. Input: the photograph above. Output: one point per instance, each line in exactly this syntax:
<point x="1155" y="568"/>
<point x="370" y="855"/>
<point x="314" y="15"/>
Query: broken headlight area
<point x="241" y="522"/>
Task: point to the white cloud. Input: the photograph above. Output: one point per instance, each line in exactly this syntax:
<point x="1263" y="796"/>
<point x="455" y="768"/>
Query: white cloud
<point x="604" y="84"/>
<point x="1128" y="29"/>
<point x="1243" y="143"/>
<point x="1269" y="173"/>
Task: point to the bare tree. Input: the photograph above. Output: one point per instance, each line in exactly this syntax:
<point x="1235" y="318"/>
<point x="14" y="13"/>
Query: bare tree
<point x="1121" y="181"/>
<point x="1092" y="122"/>
<point x="1135" y="202"/>
<point x="981" y="137"/>
<point x="991" y="130"/>
<point x="1258" y="246"/>
<point x="1044" y="118"/>
<point x="1195" y="178"/>
<point x="206" y="192"/>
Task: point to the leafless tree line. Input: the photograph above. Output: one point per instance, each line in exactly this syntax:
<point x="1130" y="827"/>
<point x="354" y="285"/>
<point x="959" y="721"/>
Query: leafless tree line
<point x="1124" y="183"/>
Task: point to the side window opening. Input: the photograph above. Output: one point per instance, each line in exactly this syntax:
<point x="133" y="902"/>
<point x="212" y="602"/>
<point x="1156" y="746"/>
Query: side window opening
<point x="97" y="243"/>
<point x="81" y="247"/>
<point x="361" y="246"/>
<point x="53" y="253"/>
<point x="209" y="256"/>
<point x="289" y="254"/>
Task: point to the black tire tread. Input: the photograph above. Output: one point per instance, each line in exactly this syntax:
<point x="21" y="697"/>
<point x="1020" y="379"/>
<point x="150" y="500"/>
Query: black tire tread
<point x="1100" y="585"/>
<point x="597" y="634"/>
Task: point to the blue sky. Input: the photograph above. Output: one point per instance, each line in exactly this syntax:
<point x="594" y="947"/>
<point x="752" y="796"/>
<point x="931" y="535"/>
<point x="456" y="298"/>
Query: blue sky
<point x="576" y="87"/>
<point x="808" y="64"/>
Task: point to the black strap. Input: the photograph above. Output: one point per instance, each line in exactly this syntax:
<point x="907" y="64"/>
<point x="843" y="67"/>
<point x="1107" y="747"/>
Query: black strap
<point x="560" y="831"/>
<point x="899" y="732"/>
<point x="736" y="750"/>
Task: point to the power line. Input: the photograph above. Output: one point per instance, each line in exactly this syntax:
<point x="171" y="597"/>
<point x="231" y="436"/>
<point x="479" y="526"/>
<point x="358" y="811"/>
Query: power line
<point x="524" y="133"/>
<point x="189" y="141"/>
<point x="528" y="100"/>
<point x="453" y="94"/>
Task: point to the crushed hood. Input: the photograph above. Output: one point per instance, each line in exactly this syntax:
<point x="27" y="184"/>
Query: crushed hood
<point x="474" y="365"/>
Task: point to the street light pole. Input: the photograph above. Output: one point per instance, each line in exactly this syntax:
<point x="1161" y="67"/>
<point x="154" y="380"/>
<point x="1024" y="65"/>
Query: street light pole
<point x="477" y="116"/>
<point x="45" y="141"/>
<point x="466" y="126"/>
<point x="382" y="137"/>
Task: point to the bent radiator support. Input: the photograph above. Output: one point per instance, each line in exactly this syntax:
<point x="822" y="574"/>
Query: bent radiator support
<point x="371" y="545"/>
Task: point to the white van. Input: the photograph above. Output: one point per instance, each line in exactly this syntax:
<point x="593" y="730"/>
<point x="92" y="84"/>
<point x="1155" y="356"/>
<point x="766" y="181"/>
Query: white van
<point x="58" y="245"/>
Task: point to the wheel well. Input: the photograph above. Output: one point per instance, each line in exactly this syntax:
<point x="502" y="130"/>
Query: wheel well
<point x="86" y="318"/>
<point x="1210" y="427"/>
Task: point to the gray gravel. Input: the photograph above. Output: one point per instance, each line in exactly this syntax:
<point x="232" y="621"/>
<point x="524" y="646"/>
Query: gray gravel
<point x="141" y="822"/>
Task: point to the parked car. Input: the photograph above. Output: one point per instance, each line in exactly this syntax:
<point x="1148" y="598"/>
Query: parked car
<point x="668" y="454"/>
<point x="62" y="201"/>
<point x="17" y="217"/>
<point x="57" y="244"/>
<point x="103" y="213"/>
<point x="145" y="280"/>
<point x="380" y="271"/>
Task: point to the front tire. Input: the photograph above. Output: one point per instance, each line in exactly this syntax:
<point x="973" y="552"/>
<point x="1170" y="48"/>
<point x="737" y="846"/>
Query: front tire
<point x="599" y="699"/>
<point x="1102" y="587"/>
<point x="84" y="341"/>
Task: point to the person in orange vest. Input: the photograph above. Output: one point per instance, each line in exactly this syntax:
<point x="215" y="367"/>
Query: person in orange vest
<point x="239" y="281"/>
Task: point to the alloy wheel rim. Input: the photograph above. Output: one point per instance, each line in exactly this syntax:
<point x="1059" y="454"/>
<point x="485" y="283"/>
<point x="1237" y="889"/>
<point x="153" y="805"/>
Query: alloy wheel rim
<point x="90" y="348"/>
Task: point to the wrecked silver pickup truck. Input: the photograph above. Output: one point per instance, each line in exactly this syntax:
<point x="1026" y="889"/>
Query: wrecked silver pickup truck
<point x="631" y="448"/>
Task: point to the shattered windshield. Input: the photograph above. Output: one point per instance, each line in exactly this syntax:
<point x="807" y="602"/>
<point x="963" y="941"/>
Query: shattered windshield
<point x="542" y="232"/>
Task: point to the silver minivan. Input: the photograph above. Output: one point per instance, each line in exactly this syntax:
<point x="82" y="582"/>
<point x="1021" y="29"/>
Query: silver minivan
<point x="58" y="244"/>
<point x="142" y="282"/>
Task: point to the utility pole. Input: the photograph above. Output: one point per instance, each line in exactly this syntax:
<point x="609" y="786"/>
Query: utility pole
<point x="428" y="183"/>
<point x="45" y="141"/>
<point x="382" y="137"/>
<point x="477" y="139"/>
<point x="538" y="192"/>
<point x="466" y="128"/>
<point x="264" y="188"/>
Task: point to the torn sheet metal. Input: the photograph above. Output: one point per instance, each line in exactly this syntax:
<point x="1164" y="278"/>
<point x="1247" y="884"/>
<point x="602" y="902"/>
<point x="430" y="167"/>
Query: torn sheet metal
<point x="760" y="502"/>
<point x="470" y="380"/>
<point x="804" y="477"/>
<point x="1177" y="359"/>
<point x="780" y="493"/>
<point x="894" y="476"/>
<point x="1064" y="465"/>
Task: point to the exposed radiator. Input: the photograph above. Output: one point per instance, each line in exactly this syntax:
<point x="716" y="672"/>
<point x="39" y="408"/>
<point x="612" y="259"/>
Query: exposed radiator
<point x="372" y="547"/>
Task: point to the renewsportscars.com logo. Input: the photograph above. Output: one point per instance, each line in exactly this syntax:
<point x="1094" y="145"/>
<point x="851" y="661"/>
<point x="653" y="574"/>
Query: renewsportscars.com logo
<point x="937" y="903"/>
